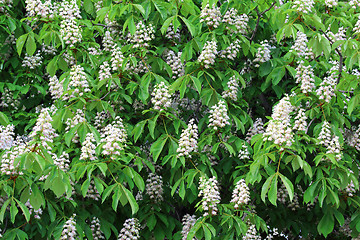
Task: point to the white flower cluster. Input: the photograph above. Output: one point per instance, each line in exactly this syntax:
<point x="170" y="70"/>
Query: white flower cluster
<point x="352" y="137"/>
<point x="257" y="128"/>
<point x="38" y="8"/>
<point x="303" y="6"/>
<point x="117" y="59"/>
<point x="69" y="229"/>
<point x="211" y="16"/>
<point x="171" y="34"/>
<point x="78" y="82"/>
<point x="187" y="222"/>
<point x="350" y="188"/>
<point x="108" y="42"/>
<point x="154" y="187"/>
<point x="139" y="67"/>
<point x="240" y="22"/>
<point x="131" y="230"/>
<point x="43" y="129"/>
<point x="92" y="192"/>
<point x="331" y="3"/>
<point x="331" y="142"/>
<point x="63" y="161"/>
<point x="263" y="53"/>
<point x="114" y="136"/>
<point x="279" y="129"/>
<point x="327" y="87"/>
<point x="161" y="97"/>
<point x="6" y="136"/>
<point x="218" y="116"/>
<point x="100" y="119"/>
<point x="104" y="72"/>
<point x="305" y="76"/>
<point x="72" y="122"/>
<point x="56" y="88"/>
<point x="274" y="234"/>
<point x="300" y="120"/>
<point x="209" y="191"/>
<point x="37" y="212"/>
<point x="95" y="51"/>
<point x="48" y="49"/>
<point x="340" y="35"/>
<point x="244" y="152"/>
<point x="251" y="233"/>
<point x="175" y="63"/>
<point x="69" y="59"/>
<point x="32" y="61"/>
<point x="88" y="148"/>
<point x="143" y="35"/>
<point x="8" y="100"/>
<point x="233" y="88"/>
<point x="300" y="46"/>
<point x="70" y="32"/>
<point x="241" y="194"/>
<point x="69" y="9"/>
<point x="95" y="229"/>
<point x="208" y="54"/>
<point x="354" y="3"/>
<point x="188" y="140"/>
<point x="3" y="5"/>
<point x="231" y="51"/>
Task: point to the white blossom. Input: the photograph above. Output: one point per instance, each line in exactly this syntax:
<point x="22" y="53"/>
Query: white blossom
<point x="211" y="16"/>
<point x="187" y="222"/>
<point x="329" y="141"/>
<point x="154" y="187"/>
<point x="104" y="72"/>
<point x="305" y="76"/>
<point x="209" y="191"/>
<point x="244" y="152"/>
<point x="218" y="116"/>
<point x="95" y="225"/>
<point x="356" y="29"/>
<point x="6" y="136"/>
<point x="279" y="129"/>
<point x="300" y="46"/>
<point x="241" y="194"/>
<point x="231" y="51"/>
<point x="143" y="35"/>
<point x="161" y="96"/>
<point x="88" y="148"/>
<point x="78" y="84"/>
<point x="175" y="63"/>
<point x="37" y="212"/>
<point x="354" y="3"/>
<point x="117" y="59"/>
<point x="171" y="34"/>
<point x="56" y="88"/>
<point x="108" y="42"/>
<point x="8" y="158"/>
<point x="240" y="22"/>
<point x="303" y="6"/>
<point x="208" y="54"/>
<point x="114" y="136"/>
<point x="251" y="233"/>
<point x="263" y="53"/>
<point x="331" y="3"/>
<point x="300" y="120"/>
<point x="43" y="129"/>
<point x="69" y="229"/>
<point x="36" y="8"/>
<point x="233" y="88"/>
<point x="327" y="87"/>
<point x="131" y="230"/>
<point x="32" y="61"/>
<point x="188" y="140"/>
<point x="70" y="32"/>
<point x="256" y="128"/>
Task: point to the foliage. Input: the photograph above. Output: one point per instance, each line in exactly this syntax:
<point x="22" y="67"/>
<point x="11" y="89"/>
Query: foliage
<point x="143" y="117"/>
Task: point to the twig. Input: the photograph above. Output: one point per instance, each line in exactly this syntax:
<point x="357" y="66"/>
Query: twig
<point x="259" y="15"/>
<point x="341" y="59"/>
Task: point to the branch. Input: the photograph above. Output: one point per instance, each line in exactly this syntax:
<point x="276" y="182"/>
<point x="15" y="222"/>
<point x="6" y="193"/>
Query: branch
<point x="341" y="58"/>
<point x="259" y="15"/>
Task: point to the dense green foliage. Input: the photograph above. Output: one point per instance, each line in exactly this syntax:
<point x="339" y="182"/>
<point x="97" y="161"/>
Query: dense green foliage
<point x="137" y="73"/>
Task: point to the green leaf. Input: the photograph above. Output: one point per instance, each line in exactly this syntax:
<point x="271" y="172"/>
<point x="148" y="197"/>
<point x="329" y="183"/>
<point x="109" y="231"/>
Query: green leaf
<point x="197" y="84"/>
<point x="273" y="190"/>
<point x="166" y="25"/>
<point x="265" y="187"/>
<point x="326" y="224"/>
<point x="30" y="45"/>
<point x="157" y="146"/>
<point x="131" y="199"/>
<point x="58" y="186"/>
<point x="3" y="209"/>
<point x="4" y="119"/>
<point x="138" y="129"/>
<point x="354" y="102"/>
<point x="194" y="229"/>
<point x="140" y="8"/>
<point x="189" y="26"/>
<point x="151" y="222"/>
<point x="160" y="8"/>
<point x="13" y="211"/>
<point x="24" y="209"/>
<point x="289" y="186"/>
<point x="20" y="43"/>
